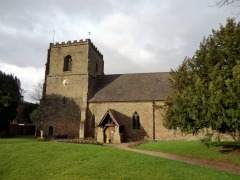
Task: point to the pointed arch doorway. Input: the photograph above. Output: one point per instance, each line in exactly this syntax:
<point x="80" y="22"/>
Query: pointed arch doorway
<point x="50" y="131"/>
<point x="109" y="128"/>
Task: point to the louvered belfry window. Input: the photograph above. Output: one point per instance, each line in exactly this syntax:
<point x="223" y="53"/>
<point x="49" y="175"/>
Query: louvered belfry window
<point x="67" y="66"/>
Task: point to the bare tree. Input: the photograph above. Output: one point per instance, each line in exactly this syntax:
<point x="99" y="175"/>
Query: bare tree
<point x="228" y="2"/>
<point x="36" y="94"/>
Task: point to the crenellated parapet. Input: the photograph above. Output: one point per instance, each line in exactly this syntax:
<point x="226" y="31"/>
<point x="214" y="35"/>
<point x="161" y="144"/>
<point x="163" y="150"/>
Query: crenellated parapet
<point x="76" y="43"/>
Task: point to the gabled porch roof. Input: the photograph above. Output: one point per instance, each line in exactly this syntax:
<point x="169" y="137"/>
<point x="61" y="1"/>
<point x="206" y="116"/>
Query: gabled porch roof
<point x="113" y="115"/>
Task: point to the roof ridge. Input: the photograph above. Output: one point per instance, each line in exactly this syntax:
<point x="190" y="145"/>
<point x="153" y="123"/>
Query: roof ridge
<point x="143" y="73"/>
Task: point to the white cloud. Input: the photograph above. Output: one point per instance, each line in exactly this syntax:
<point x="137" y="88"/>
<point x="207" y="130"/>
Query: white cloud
<point x="120" y="31"/>
<point x="29" y="77"/>
<point x="134" y="36"/>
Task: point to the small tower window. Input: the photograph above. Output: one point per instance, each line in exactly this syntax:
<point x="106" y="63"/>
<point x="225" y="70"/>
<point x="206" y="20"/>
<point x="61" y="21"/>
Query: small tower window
<point x="64" y="100"/>
<point x="67" y="66"/>
<point x="135" y="121"/>
<point x="96" y="67"/>
<point x="93" y="121"/>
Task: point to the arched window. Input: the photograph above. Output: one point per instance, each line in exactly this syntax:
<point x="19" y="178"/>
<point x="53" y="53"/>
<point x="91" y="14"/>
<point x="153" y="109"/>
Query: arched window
<point x="135" y="121"/>
<point x="67" y="66"/>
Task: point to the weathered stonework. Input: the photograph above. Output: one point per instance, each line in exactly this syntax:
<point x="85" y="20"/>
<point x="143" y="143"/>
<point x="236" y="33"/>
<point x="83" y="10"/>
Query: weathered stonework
<point x="151" y="119"/>
<point x="63" y="118"/>
<point x="70" y="84"/>
<point x="126" y="109"/>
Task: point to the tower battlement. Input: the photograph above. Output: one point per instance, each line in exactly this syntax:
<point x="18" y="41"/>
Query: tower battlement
<point x="76" y="43"/>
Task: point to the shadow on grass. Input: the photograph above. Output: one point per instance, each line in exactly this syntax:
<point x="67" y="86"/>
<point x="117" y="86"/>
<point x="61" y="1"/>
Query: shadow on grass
<point x="226" y="147"/>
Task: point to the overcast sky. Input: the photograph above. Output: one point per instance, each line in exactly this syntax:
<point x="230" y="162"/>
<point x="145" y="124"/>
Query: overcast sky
<point x="133" y="35"/>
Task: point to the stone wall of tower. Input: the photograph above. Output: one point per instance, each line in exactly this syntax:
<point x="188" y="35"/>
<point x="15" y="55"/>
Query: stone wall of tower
<point x="96" y="63"/>
<point x="69" y="89"/>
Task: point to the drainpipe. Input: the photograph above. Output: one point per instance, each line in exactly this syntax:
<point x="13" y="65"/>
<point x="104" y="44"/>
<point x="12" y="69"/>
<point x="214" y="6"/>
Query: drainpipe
<point x="153" y="106"/>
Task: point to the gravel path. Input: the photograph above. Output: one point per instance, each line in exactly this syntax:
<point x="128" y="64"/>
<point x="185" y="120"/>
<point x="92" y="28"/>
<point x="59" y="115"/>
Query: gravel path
<point x="223" y="166"/>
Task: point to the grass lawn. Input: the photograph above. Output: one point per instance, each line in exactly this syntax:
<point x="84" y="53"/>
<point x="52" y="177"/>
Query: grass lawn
<point x="30" y="159"/>
<point x="226" y="151"/>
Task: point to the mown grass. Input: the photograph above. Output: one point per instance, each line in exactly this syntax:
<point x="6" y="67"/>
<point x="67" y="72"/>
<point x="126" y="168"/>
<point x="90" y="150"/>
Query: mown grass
<point x="24" y="159"/>
<point x="224" y="151"/>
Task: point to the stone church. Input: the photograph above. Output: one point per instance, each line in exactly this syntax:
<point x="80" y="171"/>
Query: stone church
<point x="83" y="102"/>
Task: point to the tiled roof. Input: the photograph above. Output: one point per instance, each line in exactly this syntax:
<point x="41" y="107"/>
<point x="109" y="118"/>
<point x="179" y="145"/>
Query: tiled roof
<point x="131" y="87"/>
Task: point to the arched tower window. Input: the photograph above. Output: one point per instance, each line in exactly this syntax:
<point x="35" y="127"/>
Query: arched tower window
<point x="135" y="121"/>
<point x="67" y="66"/>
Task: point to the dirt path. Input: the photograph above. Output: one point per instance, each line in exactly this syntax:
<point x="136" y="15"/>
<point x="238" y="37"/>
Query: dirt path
<point x="223" y="166"/>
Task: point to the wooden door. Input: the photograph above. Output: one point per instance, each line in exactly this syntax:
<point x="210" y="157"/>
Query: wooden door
<point x="109" y="134"/>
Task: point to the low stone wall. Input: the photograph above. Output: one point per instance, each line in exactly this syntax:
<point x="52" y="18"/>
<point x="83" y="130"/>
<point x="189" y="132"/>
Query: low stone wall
<point x="21" y="129"/>
<point x="80" y="141"/>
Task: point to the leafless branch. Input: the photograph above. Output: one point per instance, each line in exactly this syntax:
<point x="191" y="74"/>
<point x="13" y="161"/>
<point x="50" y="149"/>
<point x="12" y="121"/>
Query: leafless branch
<point x="36" y="94"/>
<point x="222" y="3"/>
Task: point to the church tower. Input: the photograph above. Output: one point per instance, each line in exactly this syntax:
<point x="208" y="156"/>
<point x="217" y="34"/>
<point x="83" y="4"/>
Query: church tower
<point x="70" y="72"/>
